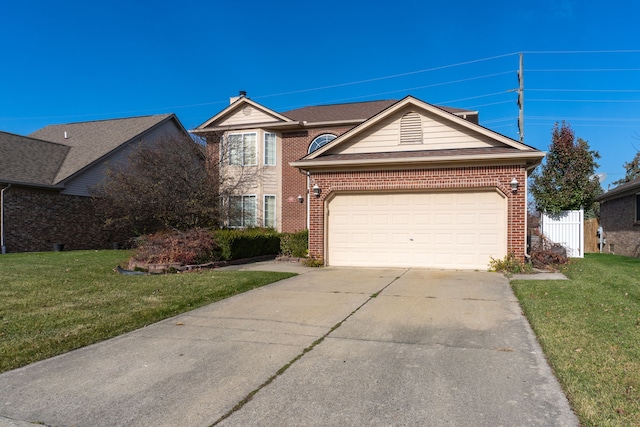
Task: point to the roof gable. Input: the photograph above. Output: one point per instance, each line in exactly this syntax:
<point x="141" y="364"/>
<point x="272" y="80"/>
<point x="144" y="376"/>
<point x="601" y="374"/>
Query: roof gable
<point x="243" y="111"/>
<point x="89" y="142"/>
<point x="25" y="160"/>
<point x="440" y="129"/>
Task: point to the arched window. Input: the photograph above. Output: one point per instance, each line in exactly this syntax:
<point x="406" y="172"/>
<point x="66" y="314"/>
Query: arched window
<point x="321" y="141"/>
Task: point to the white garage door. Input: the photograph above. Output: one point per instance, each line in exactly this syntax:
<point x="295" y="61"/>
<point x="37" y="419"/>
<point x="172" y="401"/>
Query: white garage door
<point x="460" y="230"/>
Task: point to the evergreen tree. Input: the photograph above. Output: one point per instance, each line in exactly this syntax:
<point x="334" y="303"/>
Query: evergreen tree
<point x="564" y="181"/>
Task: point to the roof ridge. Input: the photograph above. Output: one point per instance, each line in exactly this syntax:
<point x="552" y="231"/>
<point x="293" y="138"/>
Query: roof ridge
<point x="111" y="120"/>
<point x="34" y="139"/>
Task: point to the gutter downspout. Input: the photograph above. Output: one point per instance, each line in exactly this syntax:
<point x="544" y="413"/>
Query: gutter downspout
<point x="2" y="246"/>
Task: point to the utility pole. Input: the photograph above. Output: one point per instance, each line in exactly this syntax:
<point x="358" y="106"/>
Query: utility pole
<point x="520" y="92"/>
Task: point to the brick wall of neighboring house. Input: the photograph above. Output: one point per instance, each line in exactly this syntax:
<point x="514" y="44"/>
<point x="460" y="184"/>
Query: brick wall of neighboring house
<point x="36" y="219"/>
<point x="617" y="218"/>
<point x="424" y="179"/>
<point x="295" y="146"/>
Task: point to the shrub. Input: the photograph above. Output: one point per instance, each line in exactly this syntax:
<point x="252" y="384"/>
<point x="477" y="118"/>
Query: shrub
<point x="294" y="244"/>
<point x="546" y="254"/>
<point x="194" y="246"/>
<point x="247" y="243"/>
<point x="509" y="265"/>
<point x="314" y="261"/>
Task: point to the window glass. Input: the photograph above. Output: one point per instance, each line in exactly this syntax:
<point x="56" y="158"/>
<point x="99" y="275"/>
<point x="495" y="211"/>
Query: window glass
<point x="235" y="211"/>
<point x="250" y="149"/>
<point x="270" y="149"/>
<point x="249" y="211"/>
<point x="321" y="141"/>
<point x="242" y="149"/>
<point x="270" y="211"/>
<point x="242" y="211"/>
<point x="234" y="149"/>
<point x="637" y="207"/>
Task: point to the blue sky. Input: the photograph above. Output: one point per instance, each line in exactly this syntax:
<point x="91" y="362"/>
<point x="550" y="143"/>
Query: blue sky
<point x="69" y="61"/>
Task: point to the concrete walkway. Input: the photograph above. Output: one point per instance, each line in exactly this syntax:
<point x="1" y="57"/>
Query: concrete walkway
<point x="328" y="347"/>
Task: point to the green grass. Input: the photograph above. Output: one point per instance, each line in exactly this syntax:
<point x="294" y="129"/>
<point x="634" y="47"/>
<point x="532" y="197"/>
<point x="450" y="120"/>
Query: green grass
<point x="589" y="329"/>
<point x="53" y="302"/>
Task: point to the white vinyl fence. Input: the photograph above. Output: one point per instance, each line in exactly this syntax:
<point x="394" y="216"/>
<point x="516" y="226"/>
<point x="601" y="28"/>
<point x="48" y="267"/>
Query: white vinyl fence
<point x="566" y="229"/>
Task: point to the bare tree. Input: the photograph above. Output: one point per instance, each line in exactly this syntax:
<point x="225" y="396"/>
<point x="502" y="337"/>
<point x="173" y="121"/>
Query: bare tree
<point x="167" y="184"/>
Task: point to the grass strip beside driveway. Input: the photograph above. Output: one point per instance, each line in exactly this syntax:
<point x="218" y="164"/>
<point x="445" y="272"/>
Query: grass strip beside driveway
<point x="589" y="329"/>
<point x="53" y="302"/>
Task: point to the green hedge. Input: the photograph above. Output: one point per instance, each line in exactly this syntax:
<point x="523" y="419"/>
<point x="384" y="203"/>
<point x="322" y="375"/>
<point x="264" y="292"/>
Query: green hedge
<point x="295" y="244"/>
<point x="247" y="243"/>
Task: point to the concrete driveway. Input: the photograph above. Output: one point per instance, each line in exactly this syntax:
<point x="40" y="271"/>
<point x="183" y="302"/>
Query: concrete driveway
<point x="329" y="347"/>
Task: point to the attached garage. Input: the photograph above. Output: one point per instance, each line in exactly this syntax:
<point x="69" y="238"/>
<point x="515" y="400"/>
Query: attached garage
<point x="438" y="229"/>
<point x="416" y="186"/>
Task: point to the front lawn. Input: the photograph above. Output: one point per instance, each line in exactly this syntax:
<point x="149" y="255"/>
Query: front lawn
<point x="53" y="302"/>
<point x="589" y="329"/>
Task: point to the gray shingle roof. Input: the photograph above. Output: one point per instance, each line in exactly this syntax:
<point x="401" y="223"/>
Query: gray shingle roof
<point x="350" y="111"/>
<point x="90" y="141"/>
<point x="28" y="160"/>
<point x="625" y="189"/>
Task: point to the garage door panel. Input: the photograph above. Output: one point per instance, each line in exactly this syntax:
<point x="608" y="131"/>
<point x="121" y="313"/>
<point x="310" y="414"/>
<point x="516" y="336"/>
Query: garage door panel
<point x="437" y="230"/>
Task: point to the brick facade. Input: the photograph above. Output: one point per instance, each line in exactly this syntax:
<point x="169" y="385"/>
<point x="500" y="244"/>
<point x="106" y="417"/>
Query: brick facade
<point x="478" y="177"/>
<point x="35" y="220"/>
<point x="295" y="146"/>
<point x="617" y="217"/>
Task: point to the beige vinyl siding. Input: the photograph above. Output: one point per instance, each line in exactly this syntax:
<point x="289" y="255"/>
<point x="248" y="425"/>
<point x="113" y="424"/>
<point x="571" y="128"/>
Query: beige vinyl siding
<point x="246" y="115"/>
<point x="437" y="134"/>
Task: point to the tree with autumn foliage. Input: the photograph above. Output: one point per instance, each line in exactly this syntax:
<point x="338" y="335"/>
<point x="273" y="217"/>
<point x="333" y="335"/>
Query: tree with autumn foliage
<point x="565" y="180"/>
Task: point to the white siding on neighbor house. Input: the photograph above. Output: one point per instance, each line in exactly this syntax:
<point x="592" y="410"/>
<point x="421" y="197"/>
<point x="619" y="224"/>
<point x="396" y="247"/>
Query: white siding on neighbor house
<point x="245" y="115"/>
<point x="81" y="184"/>
<point x="437" y="134"/>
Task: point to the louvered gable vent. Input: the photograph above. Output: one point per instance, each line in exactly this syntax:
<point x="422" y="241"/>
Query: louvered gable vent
<point x="411" y="128"/>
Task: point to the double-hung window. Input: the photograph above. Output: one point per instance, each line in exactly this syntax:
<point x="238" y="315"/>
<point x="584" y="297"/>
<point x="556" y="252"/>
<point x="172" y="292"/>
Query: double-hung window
<point x="269" y="149"/>
<point x="269" y="212"/>
<point x="242" y="149"/>
<point x="242" y="211"/>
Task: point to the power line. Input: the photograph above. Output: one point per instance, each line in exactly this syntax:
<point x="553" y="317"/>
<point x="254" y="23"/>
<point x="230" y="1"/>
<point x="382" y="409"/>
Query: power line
<point x="583" y="100"/>
<point x="442" y="67"/>
<point x="586" y="90"/>
<point x="579" y="70"/>
<point x="563" y="52"/>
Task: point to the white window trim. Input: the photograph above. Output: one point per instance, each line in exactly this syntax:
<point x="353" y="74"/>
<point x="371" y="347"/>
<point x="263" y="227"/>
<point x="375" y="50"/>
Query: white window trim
<point x="275" y="210"/>
<point x="243" y="148"/>
<point x="275" y="144"/>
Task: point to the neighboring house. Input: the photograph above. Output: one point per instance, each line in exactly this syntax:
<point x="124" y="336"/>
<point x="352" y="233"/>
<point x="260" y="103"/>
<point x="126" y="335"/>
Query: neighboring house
<point x="45" y="179"/>
<point x="620" y="219"/>
<point x="382" y="183"/>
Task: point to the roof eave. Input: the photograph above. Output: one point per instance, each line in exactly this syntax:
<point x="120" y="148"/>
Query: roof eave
<point x="278" y="125"/>
<point x="32" y="185"/>
<point x="529" y="159"/>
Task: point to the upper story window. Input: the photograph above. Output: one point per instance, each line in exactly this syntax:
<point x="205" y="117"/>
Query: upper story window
<point x="242" y="149"/>
<point x="269" y="149"/>
<point x="321" y="141"/>
<point x="638" y="208"/>
<point x="411" y="128"/>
